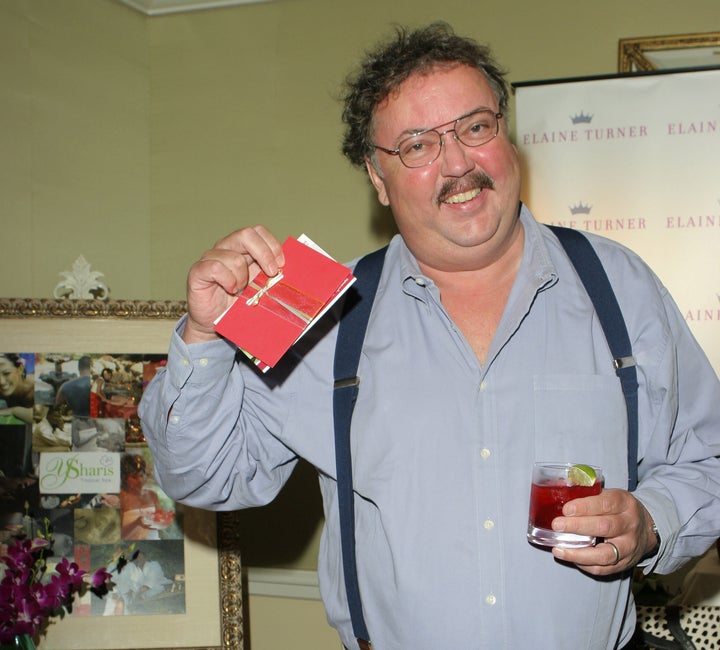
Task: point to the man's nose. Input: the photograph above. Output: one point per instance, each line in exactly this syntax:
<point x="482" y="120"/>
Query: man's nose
<point x="455" y="161"/>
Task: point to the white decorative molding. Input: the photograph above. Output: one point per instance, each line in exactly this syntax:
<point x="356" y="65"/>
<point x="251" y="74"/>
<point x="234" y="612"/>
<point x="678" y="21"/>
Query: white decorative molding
<point x="283" y="583"/>
<point x="81" y="283"/>
<point x="161" y="7"/>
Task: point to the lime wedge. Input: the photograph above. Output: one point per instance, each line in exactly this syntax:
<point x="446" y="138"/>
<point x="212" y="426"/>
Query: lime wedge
<point x="582" y="475"/>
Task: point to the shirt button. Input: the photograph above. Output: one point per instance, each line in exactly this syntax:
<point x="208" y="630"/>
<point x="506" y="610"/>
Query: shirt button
<point x="485" y="453"/>
<point x="483" y="386"/>
<point x="175" y="419"/>
<point x="489" y="524"/>
<point x="490" y="599"/>
<point x="185" y="362"/>
<point x="420" y="282"/>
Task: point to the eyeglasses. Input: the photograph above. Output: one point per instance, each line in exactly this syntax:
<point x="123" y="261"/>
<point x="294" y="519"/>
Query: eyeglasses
<point x="423" y="148"/>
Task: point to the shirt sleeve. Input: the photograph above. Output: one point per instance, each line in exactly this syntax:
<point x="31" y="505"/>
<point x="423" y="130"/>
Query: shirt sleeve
<point x="212" y="447"/>
<point x="680" y="469"/>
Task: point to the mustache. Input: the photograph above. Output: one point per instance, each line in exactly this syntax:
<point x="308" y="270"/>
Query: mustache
<point x="475" y="180"/>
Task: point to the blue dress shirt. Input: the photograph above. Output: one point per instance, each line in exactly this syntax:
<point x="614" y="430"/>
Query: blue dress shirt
<point x="443" y="448"/>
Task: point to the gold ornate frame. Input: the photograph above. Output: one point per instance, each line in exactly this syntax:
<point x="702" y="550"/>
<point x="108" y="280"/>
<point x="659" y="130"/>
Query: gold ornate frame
<point x="649" y="53"/>
<point x="212" y="541"/>
<point x="65" y="308"/>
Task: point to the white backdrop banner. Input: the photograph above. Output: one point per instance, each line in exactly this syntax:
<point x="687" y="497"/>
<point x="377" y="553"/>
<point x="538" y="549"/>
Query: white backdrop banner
<point x="636" y="159"/>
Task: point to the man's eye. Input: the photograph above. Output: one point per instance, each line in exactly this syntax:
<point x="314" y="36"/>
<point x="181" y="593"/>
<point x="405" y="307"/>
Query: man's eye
<point x="478" y="127"/>
<point x="416" y="146"/>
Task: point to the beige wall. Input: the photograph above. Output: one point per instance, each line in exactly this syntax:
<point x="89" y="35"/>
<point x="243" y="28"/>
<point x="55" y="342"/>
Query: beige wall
<point x="280" y="623"/>
<point x="74" y="142"/>
<point x="139" y="141"/>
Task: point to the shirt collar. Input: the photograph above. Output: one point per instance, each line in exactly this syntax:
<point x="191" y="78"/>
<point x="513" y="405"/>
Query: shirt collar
<point x="537" y="264"/>
<point x="537" y="261"/>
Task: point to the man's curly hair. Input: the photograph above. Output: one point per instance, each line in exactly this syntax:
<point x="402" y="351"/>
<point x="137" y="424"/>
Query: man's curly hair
<point x="383" y="70"/>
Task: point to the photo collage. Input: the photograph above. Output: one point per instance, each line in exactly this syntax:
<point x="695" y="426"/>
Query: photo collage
<point x="73" y="455"/>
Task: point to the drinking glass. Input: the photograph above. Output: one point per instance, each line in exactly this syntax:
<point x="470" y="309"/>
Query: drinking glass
<point x="551" y="489"/>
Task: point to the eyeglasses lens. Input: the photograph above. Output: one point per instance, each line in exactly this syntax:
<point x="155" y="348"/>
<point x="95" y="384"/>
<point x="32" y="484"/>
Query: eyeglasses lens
<point x="472" y="130"/>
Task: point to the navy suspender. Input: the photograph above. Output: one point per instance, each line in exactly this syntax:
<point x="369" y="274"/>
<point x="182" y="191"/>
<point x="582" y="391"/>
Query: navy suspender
<point x="347" y="357"/>
<point x="350" y="339"/>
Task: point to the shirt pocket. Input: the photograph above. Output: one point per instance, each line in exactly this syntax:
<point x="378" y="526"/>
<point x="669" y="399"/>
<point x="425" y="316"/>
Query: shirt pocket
<point x="582" y="419"/>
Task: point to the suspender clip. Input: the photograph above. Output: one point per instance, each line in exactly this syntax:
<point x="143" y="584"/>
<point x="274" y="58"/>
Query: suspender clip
<point x="347" y="382"/>
<point x="624" y="362"/>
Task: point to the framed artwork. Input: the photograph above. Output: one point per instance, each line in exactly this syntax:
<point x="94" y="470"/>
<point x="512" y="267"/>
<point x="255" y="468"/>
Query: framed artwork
<point x="677" y="51"/>
<point x="86" y="363"/>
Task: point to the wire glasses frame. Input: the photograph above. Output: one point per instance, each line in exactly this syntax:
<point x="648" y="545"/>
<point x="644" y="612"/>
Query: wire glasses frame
<point x="423" y="148"/>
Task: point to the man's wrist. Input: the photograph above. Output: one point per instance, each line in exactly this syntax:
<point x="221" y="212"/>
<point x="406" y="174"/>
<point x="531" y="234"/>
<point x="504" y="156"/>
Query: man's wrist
<point x="653" y="538"/>
<point x="193" y="333"/>
<point x="655" y="532"/>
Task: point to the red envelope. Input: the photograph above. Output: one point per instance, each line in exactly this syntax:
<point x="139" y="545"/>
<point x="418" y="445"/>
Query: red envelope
<point x="273" y="313"/>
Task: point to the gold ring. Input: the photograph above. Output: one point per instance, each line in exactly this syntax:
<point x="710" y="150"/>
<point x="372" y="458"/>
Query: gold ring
<point x="617" y="553"/>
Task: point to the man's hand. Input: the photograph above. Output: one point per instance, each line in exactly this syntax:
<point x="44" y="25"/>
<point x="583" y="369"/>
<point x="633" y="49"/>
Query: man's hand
<point x="615" y="516"/>
<point x="223" y="272"/>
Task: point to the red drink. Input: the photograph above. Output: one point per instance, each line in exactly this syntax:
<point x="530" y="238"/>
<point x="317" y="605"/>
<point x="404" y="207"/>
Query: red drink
<point x="547" y="499"/>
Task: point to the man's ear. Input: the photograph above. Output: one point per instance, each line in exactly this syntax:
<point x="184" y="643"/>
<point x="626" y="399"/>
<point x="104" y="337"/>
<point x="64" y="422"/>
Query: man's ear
<point x="377" y="181"/>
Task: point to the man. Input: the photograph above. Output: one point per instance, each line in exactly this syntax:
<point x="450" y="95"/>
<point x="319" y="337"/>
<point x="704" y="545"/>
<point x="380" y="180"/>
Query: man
<point x="482" y="355"/>
<point x="76" y="392"/>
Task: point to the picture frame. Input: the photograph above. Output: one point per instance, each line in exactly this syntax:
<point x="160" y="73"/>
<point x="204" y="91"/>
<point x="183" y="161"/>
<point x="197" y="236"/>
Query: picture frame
<point x="213" y="619"/>
<point x="676" y="51"/>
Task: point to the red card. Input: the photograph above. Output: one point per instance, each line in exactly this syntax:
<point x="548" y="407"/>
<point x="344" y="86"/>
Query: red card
<point x="273" y="313"/>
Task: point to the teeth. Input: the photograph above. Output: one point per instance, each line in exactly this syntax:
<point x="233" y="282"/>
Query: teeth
<point x="464" y="196"/>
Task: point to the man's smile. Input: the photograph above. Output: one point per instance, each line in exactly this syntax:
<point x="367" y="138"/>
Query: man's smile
<point x="463" y="196"/>
<point x="456" y="191"/>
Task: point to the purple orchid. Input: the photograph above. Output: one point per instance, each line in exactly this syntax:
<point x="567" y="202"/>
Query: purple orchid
<point x="98" y="579"/>
<point x="29" y="597"/>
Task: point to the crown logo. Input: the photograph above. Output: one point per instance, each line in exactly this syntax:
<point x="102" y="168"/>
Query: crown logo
<point x="580" y="208"/>
<point x="581" y="118"/>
